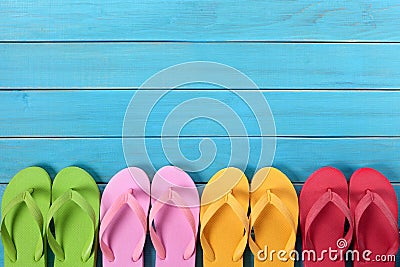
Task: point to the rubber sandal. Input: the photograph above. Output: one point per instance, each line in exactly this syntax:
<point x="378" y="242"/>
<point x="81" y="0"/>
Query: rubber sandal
<point x="224" y="223"/>
<point x="374" y="205"/>
<point x="274" y="217"/>
<point x="174" y="218"/>
<point x="323" y="214"/>
<point x="25" y="203"/>
<point x="75" y="212"/>
<point x="123" y="212"/>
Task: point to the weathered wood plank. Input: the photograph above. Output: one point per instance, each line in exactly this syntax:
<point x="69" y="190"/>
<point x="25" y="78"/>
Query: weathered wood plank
<point x="298" y="157"/>
<point x="296" y="113"/>
<point x="270" y="66"/>
<point x="208" y="20"/>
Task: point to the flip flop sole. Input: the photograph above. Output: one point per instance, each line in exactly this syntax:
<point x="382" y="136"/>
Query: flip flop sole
<point x="373" y="225"/>
<point x="125" y="231"/>
<point x="170" y="222"/>
<point x="25" y="232"/>
<point x="73" y="227"/>
<point x="328" y="227"/>
<point x="225" y="230"/>
<point x="274" y="231"/>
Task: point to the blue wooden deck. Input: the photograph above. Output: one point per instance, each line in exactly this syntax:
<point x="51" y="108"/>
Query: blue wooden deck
<point x="330" y="71"/>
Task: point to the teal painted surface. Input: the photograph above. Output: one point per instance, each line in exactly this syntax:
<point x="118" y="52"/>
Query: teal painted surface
<point x="207" y="20"/>
<point x="333" y="94"/>
<point x="270" y="66"/>
<point x="298" y="157"/>
<point x="296" y="113"/>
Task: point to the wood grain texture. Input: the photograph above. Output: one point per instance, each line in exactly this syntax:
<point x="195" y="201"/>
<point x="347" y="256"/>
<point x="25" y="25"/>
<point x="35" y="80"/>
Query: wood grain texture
<point x="270" y="66"/>
<point x="207" y="20"/>
<point x="101" y="113"/>
<point x="298" y="157"/>
<point x="330" y="71"/>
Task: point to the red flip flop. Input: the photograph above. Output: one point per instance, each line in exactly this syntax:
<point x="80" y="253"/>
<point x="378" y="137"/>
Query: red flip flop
<point x="373" y="202"/>
<point x="323" y="213"/>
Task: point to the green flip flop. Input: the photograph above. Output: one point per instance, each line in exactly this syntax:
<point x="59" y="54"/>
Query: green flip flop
<point x="75" y="212"/>
<point x="24" y="207"/>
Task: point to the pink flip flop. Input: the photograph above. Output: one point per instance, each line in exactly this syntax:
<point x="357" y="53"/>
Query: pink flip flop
<point x="174" y="218"/>
<point x="374" y="205"/>
<point x="123" y="212"/>
<point x="323" y="212"/>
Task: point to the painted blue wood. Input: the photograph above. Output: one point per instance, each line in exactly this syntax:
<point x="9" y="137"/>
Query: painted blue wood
<point x="296" y="113"/>
<point x="128" y="65"/>
<point x="103" y="157"/>
<point x="207" y="20"/>
<point x="84" y="127"/>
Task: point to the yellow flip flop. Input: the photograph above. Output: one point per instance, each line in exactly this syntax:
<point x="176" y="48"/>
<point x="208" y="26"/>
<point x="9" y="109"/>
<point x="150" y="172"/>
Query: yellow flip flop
<point x="223" y="218"/>
<point x="274" y="219"/>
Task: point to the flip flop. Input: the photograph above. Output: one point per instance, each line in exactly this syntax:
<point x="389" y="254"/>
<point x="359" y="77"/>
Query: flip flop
<point x="123" y="212"/>
<point x="373" y="202"/>
<point x="75" y="212"/>
<point x="274" y="217"/>
<point x="174" y="218"/>
<point x="224" y="223"/>
<point x="323" y="213"/>
<point x="25" y="203"/>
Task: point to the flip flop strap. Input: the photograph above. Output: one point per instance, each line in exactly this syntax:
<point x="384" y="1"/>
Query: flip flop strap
<point x="9" y="246"/>
<point x="230" y="200"/>
<point x="319" y="205"/>
<point x="74" y="196"/>
<point x="271" y="199"/>
<point x="369" y="199"/>
<point x="130" y="200"/>
<point x="175" y="199"/>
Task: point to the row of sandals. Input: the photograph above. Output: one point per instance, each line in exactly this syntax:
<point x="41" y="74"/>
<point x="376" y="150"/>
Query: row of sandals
<point x="232" y="214"/>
